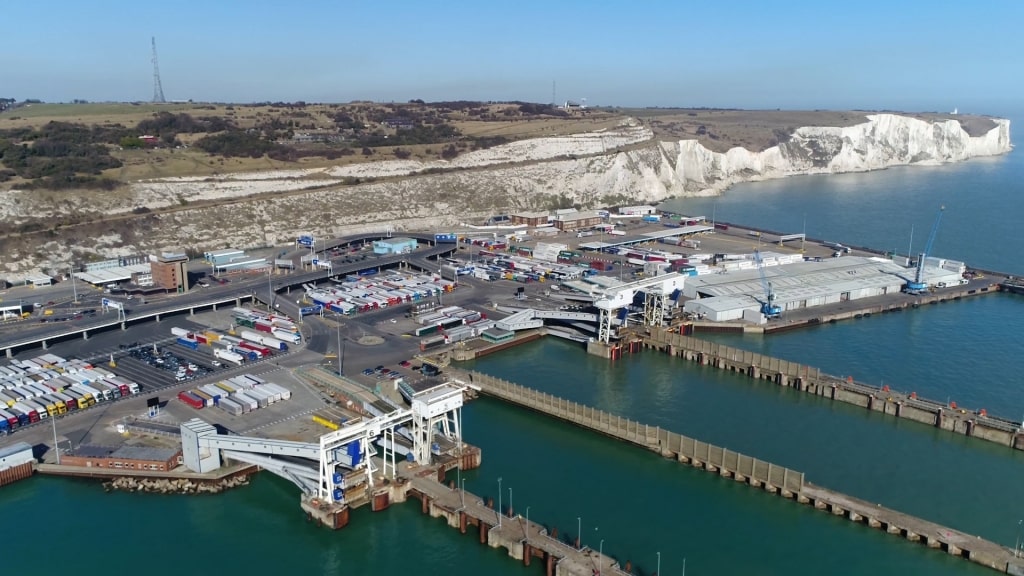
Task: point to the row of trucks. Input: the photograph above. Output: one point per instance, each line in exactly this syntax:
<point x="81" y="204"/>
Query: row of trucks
<point x="363" y="296"/>
<point x="31" y="402"/>
<point x="236" y="396"/>
<point x="279" y="327"/>
<point x="457" y="334"/>
<point x="247" y="346"/>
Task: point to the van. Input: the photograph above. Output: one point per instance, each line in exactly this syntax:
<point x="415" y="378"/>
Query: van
<point x="48" y="312"/>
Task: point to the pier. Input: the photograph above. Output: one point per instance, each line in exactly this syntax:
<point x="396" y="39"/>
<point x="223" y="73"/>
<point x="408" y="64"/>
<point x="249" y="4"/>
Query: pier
<point x="973" y="423"/>
<point x="768" y="477"/>
<point x="524" y="539"/>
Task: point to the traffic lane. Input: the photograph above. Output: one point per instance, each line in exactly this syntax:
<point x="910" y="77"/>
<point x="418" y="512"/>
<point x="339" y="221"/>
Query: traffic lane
<point x="191" y="298"/>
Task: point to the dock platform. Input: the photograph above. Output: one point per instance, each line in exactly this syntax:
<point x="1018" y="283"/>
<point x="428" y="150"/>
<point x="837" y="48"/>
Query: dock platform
<point x="525" y="540"/>
<point x="768" y="477"/>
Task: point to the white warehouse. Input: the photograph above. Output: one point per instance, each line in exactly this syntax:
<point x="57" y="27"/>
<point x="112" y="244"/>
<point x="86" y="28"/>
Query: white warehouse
<point x="725" y="296"/>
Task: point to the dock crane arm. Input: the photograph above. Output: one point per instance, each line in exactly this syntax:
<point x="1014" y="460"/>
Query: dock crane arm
<point x="768" y="307"/>
<point x="919" y="272"/>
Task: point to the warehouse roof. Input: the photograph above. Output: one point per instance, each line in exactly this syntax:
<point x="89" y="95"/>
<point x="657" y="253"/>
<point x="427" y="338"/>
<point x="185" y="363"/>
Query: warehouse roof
<point x="15" y="448"/>
<point x="109" y="275"/>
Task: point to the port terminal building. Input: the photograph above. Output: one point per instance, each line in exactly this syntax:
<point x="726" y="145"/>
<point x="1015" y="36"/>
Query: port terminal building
<point x="736" y="293"/>
<point x="610" y="241"/>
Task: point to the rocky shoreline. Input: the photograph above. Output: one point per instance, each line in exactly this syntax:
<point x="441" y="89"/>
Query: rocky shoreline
<point x="174" y="485"/>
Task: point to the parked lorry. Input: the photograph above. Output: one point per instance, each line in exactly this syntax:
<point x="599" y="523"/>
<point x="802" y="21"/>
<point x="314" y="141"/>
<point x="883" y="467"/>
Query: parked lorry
<point x="229" y="356"/>
<point x="263" y="339"/>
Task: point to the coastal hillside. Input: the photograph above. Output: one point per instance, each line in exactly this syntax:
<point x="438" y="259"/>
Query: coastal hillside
<point x="633" y="159"/>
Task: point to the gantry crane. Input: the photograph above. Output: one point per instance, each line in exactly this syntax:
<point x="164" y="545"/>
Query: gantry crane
<point x="768" y="307"/>
<point x="918" y="285"/>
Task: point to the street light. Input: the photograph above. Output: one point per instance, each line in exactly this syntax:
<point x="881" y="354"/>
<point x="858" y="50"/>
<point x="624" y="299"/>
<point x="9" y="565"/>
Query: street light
<point x="499" y="501"/>
<point x="526" y="531"/>
<point x="462" y="484"/>
<point x="658" y="571"/>
<point x="510" y="508"/>
<point x="74" y="286"/>
<point x="579" y="533"/>
<point x="1016" y="548"/>
<point x="600" y="557"/>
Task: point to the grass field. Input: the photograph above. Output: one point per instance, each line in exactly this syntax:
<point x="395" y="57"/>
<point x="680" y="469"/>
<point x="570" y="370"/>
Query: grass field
<point x="757" y="130"/>
<point x="718" y="130"/>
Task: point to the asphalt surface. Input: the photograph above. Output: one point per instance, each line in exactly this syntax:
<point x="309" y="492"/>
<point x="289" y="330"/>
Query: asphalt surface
<point x="264" y="288"/>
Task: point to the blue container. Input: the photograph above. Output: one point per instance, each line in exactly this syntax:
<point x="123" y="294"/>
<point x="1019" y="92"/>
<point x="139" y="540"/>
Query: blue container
<point x="339" y="494"/>
<point x="337" y="478"/>
<point x="409" y="457"/>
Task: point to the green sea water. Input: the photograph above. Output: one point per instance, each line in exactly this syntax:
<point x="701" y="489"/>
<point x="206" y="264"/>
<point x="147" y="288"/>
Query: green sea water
<point x="637" y="503"/>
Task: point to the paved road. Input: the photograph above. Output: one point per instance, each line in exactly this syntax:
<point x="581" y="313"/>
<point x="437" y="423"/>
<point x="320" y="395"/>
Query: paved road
<point x="266" y="289"/>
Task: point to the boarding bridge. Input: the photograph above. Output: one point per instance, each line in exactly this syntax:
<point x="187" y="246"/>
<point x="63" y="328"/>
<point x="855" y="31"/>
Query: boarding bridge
<point x="342" y="460"/>
<point x="530" y="318"/>
<point x="656" y="293"/>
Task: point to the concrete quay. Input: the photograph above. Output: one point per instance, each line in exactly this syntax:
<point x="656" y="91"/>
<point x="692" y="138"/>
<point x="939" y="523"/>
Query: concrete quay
<point x="974" y="423"/>
<point x="768" y="477"/>
<point x="524" y="539"/>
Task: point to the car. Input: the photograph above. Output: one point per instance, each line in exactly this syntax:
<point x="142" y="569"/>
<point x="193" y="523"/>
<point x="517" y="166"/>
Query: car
<point x="405" y="363"/>
<point x="379" y="369"/>
<point x="368" y="372"/>
<point x="215" y="363"/>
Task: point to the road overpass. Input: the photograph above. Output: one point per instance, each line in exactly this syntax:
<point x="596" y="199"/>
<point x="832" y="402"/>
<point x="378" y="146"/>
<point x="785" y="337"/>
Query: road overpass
<point x="264" y="289"/>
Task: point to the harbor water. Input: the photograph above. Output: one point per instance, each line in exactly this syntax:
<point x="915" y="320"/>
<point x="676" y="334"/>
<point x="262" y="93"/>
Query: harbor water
<point x="633" y="503"/>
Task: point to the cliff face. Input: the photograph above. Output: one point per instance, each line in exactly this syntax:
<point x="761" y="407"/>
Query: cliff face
<point x="623" y="165"/>
<point x="885" y="140"/>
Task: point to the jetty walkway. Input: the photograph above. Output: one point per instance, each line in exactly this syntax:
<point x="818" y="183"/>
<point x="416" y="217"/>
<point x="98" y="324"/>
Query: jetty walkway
<point x="756" y="473"/>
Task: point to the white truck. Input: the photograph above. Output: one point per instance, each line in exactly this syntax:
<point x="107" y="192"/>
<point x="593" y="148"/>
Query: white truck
<point x="228" y="356"/>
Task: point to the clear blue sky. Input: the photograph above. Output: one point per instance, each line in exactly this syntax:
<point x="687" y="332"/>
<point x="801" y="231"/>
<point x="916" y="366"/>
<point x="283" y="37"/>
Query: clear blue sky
<point x="864" y="54"/>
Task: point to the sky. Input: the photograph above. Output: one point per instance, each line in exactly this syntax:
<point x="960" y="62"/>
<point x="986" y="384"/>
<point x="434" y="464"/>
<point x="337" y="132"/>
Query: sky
<point x="797" y="54"/>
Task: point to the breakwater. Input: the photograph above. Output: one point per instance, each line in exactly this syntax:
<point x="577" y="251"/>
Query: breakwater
<point x="770" y="478"/>
<point x="974" y="423"/>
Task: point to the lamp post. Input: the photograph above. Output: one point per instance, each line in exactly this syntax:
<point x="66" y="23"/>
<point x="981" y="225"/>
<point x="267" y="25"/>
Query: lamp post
<point x="600" y="557"/>
<point x="510" y="508"/>
<point x="579" y="533"/>
<point x="74" y="286"/>
<point x="462" y="484"/>
<point x="499" y="502"/>
<point x="56" y="446"/>
<point x="526" y="531"/>
<point x="1017" y="547"/>
<point x="658" y="571"/>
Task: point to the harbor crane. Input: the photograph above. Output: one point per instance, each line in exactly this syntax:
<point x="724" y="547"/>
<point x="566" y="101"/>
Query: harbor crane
<point x="768" y="307"/>
<point x="918" y="285"/>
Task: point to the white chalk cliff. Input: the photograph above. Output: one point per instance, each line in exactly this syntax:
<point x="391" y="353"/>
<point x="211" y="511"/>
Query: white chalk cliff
<point x="622" y="164"/>
<point x="883" y="141"/>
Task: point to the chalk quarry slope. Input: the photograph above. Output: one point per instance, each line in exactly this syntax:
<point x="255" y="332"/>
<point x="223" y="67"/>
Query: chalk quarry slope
<point x="624" y="164"/>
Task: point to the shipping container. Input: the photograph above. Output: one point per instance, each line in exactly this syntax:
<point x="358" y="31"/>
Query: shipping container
<point x="230" y="406"/>
<point x="188" y="343"/>
<point x="262" y="400"/>
<point x="248" y="404"/>
<point x="229" y="356"/>
<point x="201" y="338"/>
<point x="264" y="340"/>
<point x="226" y="386"/>
<point x="286" y="394"/>
<point x="206" y="398"/>
<point x="41" y="407"/>
<point x="26" y="414"/>
<point x="180" y="332"/>
<point x="21" y="414"/>
<point x="275" y="395"/>
<point x="191" y="399"/>
<point x="286" y="336"/>
<point x="253" y="351"/>
<point x="213" y="392"/>
<point x="10" y="419"/>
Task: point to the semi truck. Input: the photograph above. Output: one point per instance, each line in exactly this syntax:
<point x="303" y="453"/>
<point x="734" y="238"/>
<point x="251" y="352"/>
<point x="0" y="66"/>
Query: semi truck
<point x="229" y="356"/>
<point x="263" y="339"/>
